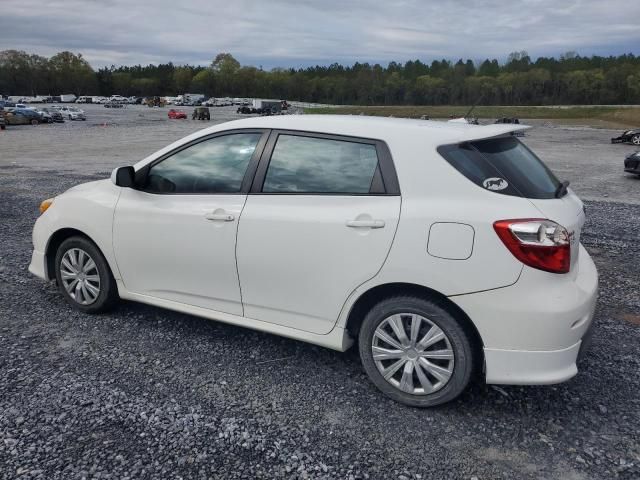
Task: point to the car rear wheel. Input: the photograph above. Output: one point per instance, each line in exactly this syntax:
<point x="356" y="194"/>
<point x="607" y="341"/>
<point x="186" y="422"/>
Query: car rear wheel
<point x="84" y="277"/>
<point x="635" y="139"/>
<point x="415" y="351"/>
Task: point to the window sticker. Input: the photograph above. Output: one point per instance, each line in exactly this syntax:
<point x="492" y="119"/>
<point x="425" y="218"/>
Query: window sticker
<point x="495" y="183"/>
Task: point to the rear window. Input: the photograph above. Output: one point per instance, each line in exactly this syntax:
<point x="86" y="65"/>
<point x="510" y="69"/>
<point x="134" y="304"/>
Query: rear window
<point x="502" y="165"/>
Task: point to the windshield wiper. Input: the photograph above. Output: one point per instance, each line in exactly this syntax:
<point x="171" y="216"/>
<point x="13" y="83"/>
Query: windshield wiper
<point x="561" y="191"/>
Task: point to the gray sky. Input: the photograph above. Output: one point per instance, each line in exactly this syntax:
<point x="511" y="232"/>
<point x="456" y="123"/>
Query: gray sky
<point x="306" y="32"/>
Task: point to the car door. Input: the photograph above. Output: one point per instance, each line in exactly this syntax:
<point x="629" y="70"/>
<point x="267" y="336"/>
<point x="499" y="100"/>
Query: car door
<point x="174" y="235"/>
<point x="319" y="221"/>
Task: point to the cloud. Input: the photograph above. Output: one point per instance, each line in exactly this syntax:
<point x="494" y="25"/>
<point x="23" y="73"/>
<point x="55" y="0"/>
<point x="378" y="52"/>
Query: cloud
<point x="306" y="32"/>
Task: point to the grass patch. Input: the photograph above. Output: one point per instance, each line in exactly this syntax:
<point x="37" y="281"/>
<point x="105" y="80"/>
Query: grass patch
<point x="628" y="116"/>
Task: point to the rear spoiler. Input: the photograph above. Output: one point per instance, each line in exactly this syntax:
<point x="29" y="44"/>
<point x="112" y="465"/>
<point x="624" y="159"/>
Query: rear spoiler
<point x="481" y="132"/>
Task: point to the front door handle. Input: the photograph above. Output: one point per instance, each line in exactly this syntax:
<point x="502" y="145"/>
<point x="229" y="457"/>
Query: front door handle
<point x="365" y="223"/>
<point x="220" y="217"/>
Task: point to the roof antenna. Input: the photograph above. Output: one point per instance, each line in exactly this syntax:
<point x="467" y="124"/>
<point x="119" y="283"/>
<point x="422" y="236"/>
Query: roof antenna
<point x="466" y="117"/>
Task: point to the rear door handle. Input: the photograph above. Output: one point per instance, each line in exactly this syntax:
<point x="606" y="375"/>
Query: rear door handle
<point x="365" y="223"/>
<point x="220" y="217"/>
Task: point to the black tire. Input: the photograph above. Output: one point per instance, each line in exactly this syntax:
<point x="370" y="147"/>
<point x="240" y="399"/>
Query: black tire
<point x="438" y="314"/>
<point x="635" y="139"/>
<point x="108" y="295"/>
<point x="34" y="122"/>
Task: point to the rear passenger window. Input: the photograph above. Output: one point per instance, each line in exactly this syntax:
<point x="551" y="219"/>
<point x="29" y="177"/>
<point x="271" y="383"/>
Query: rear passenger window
<point x="302" y="164"/>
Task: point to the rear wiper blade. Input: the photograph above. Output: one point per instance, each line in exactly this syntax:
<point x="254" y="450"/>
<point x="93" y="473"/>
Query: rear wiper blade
<point x="561" y="191"/>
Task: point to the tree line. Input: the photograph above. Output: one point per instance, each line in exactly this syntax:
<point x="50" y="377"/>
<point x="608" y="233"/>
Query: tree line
<point x="569" y="79"/>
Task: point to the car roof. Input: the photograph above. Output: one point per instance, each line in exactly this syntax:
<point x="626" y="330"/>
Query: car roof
<point x="381" y="128"/>
<point x="395" y="131"/>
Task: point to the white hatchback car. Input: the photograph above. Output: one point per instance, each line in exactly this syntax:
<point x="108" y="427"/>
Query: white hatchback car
<point x="442" y="248"/>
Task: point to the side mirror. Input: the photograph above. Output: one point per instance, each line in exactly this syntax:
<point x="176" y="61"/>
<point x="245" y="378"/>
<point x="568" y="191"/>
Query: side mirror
<point x="124" y="177"/>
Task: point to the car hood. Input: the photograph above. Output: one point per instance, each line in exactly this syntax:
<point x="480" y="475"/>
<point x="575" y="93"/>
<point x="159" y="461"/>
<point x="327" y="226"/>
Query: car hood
<point x="88" y="187"/>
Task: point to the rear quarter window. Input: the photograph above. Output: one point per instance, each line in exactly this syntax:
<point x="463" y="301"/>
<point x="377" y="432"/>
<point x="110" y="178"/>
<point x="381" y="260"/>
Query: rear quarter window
<point x="502" y="165"/>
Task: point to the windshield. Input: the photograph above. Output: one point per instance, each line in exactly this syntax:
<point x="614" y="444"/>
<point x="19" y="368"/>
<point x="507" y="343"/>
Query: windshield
<point x="503" y="165"/>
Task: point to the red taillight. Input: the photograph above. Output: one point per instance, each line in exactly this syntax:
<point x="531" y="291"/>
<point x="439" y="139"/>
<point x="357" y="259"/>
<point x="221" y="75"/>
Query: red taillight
<point x="538" y="243"/>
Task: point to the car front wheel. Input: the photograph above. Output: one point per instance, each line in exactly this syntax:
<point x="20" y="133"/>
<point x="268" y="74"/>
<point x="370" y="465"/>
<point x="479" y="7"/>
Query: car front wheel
<point x="635" y="139"/>
<point x="415" y="351"/>
<point x="84" y="277"/>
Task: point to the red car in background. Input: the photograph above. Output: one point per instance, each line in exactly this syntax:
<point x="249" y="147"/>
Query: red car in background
<point x="175" y="114"/>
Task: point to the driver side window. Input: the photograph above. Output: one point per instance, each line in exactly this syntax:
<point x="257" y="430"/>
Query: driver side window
<point x="217" y="165"/>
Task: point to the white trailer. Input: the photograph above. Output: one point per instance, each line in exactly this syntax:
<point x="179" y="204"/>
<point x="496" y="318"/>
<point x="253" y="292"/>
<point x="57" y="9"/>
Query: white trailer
<point x="69" y="97"/>
<point x="267" y="104"/>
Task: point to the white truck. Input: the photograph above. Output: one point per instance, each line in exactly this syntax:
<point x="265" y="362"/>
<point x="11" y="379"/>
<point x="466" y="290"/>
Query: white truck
<point x="271" y="105"/>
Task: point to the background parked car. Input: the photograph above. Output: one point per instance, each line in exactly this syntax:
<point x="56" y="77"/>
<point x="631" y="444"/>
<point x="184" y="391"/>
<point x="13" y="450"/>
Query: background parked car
<point x="176" y="114"/>
<point x="45" y="116"/>
<point x="154" y="102"/>
<point x="72" y="113"/>
<point x="507" y="120"/>
<point x="629" y="136"/>
<point x="55" y="115"/>
<point x="23" y="116"/>
<point x="632" y="163"/>
<point x="201" y="113"/>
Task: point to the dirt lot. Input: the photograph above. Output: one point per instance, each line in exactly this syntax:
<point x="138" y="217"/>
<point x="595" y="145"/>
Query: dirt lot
<point x="147" y="393"/>
<point x="111" y="138"/>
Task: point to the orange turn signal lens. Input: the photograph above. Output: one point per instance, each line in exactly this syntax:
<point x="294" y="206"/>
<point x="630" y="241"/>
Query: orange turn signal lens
<point x="46" y="204"/>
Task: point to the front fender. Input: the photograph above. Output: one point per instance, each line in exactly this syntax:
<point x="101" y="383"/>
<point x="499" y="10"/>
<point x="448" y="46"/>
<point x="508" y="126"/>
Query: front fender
<point x="87" y="208"/>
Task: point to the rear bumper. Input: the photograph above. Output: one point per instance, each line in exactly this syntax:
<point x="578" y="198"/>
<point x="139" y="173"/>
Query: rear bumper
<point x="509" y="367"/>
<point x="519" y="367"/>
<point x="533" y="330"/>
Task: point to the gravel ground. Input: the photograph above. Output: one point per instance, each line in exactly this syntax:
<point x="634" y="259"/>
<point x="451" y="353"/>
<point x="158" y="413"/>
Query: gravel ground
<point x="147" y="393"/>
